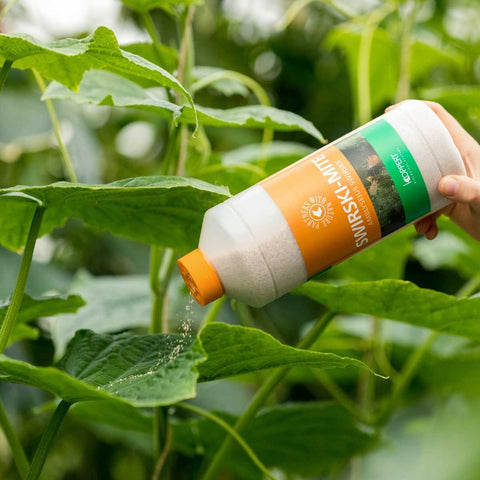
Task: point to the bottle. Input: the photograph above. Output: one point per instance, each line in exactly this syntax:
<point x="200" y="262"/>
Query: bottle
<point x="275" y="235"/>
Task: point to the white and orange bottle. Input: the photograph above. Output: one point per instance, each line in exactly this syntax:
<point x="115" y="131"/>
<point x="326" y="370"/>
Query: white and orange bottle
<point x="274" y="236"/>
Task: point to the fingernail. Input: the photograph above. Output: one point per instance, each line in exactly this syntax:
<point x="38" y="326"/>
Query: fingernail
<point x="449" y="187"/>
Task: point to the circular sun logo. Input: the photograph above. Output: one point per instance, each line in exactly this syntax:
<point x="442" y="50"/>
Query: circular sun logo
<point x="316" y="211"/>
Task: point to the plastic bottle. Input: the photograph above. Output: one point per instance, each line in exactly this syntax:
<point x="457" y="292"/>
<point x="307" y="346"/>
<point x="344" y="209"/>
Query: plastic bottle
<point x="274" y="236"/>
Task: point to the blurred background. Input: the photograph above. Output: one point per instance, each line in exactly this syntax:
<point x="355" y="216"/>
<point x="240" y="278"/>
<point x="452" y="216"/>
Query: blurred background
<point x="307" y="55"/>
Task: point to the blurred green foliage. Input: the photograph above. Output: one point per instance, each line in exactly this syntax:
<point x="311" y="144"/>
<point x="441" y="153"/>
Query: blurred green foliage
<point x="328" y="65"/>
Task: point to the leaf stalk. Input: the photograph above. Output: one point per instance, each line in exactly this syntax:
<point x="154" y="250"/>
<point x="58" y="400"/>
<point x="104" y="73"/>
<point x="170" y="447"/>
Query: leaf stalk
<point x="17" y="296"/>
<point x="47" y="439"/>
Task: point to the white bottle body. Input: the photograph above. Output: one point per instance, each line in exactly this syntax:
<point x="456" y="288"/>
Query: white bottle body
<point x="251" y="241"/>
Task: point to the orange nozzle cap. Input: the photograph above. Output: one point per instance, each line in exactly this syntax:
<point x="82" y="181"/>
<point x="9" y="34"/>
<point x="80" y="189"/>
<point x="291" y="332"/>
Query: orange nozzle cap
<point x="200" y="277"/>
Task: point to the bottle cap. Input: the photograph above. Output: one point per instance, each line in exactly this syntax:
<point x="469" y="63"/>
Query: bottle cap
<point x="200" y="277"/>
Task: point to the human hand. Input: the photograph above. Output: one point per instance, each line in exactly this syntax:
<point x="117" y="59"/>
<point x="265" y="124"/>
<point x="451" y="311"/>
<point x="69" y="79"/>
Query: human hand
<point x="463" y="191"/>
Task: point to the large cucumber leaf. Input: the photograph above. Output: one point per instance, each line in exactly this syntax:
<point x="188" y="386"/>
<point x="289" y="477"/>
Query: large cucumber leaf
<point x="402" y="301"/>
<point x="160" y="210"/>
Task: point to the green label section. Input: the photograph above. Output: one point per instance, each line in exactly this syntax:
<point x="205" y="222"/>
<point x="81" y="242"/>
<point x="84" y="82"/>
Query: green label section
<point x="401" y="166"/>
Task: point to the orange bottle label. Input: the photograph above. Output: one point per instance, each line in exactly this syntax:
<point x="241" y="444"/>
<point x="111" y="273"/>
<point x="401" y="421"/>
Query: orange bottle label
<point x="326" y="206"/>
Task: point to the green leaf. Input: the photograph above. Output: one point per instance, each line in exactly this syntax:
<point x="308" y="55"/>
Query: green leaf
<point x="32" y="308"/>
<point x="144" y="6"/>
<point x="306" y="439"/>
<point x="67" y="60"/>
<point x="115" y="414"/>
<point x="104" y="88"/>
<point x="165" y="211"/>
<point x="224" y="86"/>
<point x="23" y="332"/>
<point x="159" y="54"/>
<point x="142" y="370"/>
<point x="235" y="350"/>
<point x="113" y="304"/>
<point x="402" y="301"/>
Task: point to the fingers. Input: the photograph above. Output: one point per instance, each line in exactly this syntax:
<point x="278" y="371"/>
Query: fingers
<point x="461" y="189"/>
<point x="428" y="226"/>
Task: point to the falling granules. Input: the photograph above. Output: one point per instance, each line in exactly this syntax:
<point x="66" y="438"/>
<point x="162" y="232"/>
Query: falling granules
<point x="185" y="328"/>
<point x="182" y="341"/>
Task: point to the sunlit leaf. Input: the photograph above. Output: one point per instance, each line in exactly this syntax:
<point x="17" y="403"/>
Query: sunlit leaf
<point x="67" y="60"/>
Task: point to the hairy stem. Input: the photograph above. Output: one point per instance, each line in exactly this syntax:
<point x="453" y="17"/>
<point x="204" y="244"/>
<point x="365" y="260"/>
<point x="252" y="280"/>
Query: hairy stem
<point x="262" y="395"/>
<point x="67" y="161"/>
<point x="7" y="65"/>
<point x="18" y="453"/>
<point x="234" y="434"/>
<point x="47" y="440"/>
<point x="17" y="296"/>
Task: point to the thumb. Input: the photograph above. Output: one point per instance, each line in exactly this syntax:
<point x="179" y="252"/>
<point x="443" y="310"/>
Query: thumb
<point x="460" y="189"/>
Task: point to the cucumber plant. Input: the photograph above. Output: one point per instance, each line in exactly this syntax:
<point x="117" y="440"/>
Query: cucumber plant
<point x="145" y="379"/>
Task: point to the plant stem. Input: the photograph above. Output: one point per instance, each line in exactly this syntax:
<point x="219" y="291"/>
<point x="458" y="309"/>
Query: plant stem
<point x="337" y="393"/>
<point x="246" y="447"/>
<point x="213" y="311"/>
<point x="7" y="65"/>
<point x="18" y="453"/>
<point x="164" y="453"/>
<point x="67" y="162"/>
<point x="47" y="440"/>
<point x="364" y="108"/>
<point x="17" y="296"/>
<point x="152" y="31"/>
<point x="262" y="395"/>
<point x="403" y="87"/>
<point x="6" y="9"/>
<point x="161" y="268"/>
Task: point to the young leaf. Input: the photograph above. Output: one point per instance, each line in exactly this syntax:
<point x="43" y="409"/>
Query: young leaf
<point x="165" y="211"/>
<point x="104" y="88"/>
<point x="36" y="308"/>
<point x="44" y="307"/>
<point x="235" y="350"/>
<point x="402" y="301"/>
<point x="113" y="304"/>
<point x="224" y="86"/>
<point x="159" y="54"/>
<point x="306" y="439"/>
<point x="142" y="370"/>
<point x="67" y="60"/>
